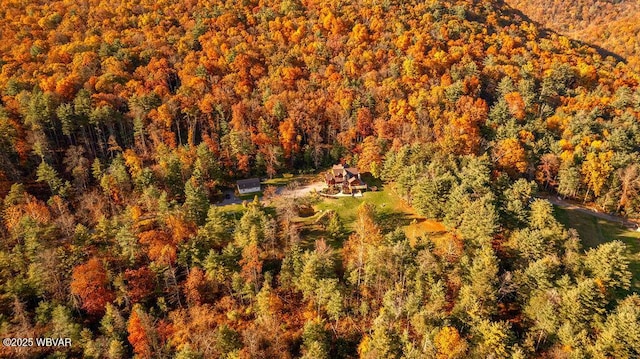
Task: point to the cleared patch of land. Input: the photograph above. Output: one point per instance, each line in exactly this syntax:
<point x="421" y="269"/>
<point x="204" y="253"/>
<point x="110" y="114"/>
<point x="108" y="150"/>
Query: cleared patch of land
<point x="389" y="208"/>
<point x="288" y="178"/>
<point x="392" y="211"/>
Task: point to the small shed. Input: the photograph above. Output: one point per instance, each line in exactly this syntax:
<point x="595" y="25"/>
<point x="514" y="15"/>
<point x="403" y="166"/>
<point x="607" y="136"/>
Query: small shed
<point x="249" y="185"/>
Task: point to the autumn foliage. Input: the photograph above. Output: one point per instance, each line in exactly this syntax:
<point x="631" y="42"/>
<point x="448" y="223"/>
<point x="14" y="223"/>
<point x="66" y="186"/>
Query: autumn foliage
<point x="91" y="284"/>
<point x="124" y="125"/>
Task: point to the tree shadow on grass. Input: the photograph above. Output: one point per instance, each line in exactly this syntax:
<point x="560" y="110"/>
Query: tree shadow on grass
<point x="372" y="181"/>
<point x="390" y="221"/>
<point x="310" y="234"/>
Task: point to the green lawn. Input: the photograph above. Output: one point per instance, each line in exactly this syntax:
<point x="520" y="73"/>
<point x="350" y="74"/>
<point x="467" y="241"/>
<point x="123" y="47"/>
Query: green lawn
<point x="234" y="211"/>
<point x="594" y="231"/>
<point x="390" y="209"/>
<point x="392" y="212"/>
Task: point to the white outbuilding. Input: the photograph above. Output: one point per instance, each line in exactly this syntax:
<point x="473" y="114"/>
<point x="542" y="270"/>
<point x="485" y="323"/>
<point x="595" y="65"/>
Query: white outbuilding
<point x="249" y="185"/>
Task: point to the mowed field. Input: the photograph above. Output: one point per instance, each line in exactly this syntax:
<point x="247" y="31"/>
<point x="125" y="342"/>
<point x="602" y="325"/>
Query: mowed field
<point x="391" y="211"/>
<point x="594" y="231"/>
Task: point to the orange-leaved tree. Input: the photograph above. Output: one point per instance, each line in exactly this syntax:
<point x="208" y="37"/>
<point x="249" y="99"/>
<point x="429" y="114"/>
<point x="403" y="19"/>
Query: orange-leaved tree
<point x="89" y="281"/>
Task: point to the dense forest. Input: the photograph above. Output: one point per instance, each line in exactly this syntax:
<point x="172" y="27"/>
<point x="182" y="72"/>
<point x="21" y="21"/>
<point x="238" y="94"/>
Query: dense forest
<point x="122" y="122"/>
<point x="611" y="24"/>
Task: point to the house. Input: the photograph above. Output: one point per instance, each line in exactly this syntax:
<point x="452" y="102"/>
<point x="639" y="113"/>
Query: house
<point x="249" y="185"/>
<point x="346" y="179"/>
<point x="335" y="176"/>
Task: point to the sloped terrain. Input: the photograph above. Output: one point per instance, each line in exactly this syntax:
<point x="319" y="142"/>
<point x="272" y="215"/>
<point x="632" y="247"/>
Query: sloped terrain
<point x="612" y="25"/>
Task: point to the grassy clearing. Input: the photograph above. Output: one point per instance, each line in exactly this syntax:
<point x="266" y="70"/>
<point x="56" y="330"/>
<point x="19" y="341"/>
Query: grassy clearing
<point x="234" y="211"/>
<point x="392" y="211"/>
<point x="594" y="231"/>
<point x="388" y="207"/>
<point x="419" y="228"/>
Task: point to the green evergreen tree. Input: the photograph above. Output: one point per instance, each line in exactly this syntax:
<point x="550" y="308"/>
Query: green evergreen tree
<point x="196" y="203"/>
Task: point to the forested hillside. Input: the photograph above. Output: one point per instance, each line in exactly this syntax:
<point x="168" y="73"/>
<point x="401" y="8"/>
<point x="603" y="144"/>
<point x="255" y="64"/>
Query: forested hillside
<point x="610" y="24"/>
<point x="122" y="122"/>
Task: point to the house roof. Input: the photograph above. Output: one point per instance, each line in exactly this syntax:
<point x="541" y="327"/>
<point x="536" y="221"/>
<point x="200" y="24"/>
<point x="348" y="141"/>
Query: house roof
<point x="337" y="170"/>
<point x="352" y="171"/>
<point x="248" y="183"/>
